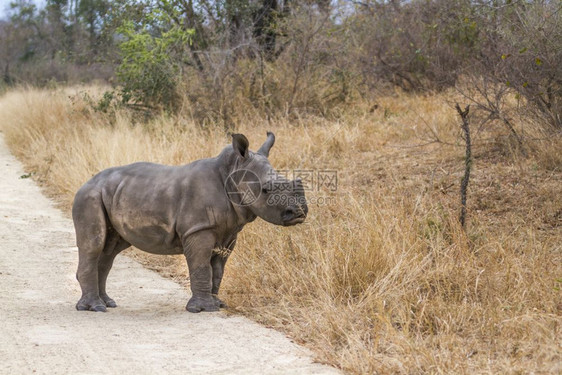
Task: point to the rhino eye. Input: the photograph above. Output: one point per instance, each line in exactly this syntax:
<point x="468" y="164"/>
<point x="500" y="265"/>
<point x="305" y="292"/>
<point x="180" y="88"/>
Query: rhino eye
<point x="266" y="187"/>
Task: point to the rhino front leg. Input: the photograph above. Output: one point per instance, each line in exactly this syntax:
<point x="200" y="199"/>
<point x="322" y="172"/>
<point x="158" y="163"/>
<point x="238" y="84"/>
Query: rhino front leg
<point x="198" y="251"/>
<point x="217" y="263"/>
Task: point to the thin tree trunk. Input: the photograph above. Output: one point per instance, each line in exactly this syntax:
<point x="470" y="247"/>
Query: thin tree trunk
<point x="467" y="162"/>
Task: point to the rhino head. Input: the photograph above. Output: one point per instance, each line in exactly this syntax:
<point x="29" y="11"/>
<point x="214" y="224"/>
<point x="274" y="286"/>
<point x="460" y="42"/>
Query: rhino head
<point x="254" y="185"/>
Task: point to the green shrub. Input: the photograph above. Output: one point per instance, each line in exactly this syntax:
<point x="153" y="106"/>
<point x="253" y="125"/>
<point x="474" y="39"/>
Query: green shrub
<point x="151" y="69"/>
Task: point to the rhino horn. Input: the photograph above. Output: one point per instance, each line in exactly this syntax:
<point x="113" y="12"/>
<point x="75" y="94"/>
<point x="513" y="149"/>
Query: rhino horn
<point x="264" y="149"/>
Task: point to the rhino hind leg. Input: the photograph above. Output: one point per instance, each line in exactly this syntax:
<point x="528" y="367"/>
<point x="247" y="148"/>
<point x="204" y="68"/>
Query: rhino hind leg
<point x="87" y="276"/>
<point x="113" y="246"/>
<point x="91" y="231"/>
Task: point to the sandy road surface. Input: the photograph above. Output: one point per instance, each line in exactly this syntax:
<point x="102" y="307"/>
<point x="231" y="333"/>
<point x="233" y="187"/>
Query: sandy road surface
<point x="150" y="332"/>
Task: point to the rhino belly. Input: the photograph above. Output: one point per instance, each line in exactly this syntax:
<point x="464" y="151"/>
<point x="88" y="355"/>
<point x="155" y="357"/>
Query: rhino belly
<point x="148" y="234"/>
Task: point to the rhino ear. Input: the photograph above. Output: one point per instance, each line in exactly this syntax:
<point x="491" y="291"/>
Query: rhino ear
<point x="264" y="149"/>
<point x="240" y="144"/>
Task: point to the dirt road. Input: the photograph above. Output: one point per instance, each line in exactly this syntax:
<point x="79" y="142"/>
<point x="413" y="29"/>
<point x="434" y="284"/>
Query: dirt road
<point x="150" y="332"/>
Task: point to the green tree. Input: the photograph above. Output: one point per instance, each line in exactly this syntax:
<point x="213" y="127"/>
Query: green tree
<point x="152" y="63"/>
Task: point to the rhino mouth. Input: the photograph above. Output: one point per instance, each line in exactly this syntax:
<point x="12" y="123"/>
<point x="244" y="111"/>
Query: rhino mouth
<point x="294" y="220"/>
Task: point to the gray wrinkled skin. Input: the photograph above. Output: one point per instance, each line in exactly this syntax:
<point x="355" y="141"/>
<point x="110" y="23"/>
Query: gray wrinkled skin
<point x="176" y="210"/>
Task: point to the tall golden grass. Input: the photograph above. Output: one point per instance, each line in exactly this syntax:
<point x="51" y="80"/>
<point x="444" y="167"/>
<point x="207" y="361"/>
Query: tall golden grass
<point x="381" y="278"/>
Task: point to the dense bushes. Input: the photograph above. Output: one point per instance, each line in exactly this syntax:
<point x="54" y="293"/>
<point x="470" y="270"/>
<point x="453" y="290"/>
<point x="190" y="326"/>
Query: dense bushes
<point x="223" y="60"/>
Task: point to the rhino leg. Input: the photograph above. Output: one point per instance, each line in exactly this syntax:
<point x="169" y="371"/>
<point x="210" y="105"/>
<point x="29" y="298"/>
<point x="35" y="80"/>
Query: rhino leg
<point x="198" y="251"/>
<point x="91" y="231"/>
<point x="114" y="245"/>
<point x="217" y="263"/>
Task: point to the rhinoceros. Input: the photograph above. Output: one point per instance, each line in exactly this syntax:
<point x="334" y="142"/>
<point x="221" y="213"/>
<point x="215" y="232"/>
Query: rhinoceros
<point x="196" y="209"/>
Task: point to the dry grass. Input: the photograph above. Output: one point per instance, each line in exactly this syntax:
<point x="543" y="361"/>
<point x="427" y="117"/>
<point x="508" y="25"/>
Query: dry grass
<point x="381" y="279"/>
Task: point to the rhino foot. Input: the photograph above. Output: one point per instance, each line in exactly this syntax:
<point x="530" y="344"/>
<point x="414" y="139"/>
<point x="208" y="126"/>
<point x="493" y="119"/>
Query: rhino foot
<point x="109" y="302"/>
<point x="197" y="304"/>
<point x="85" y="304"/>
<point x="222" y="305"/>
